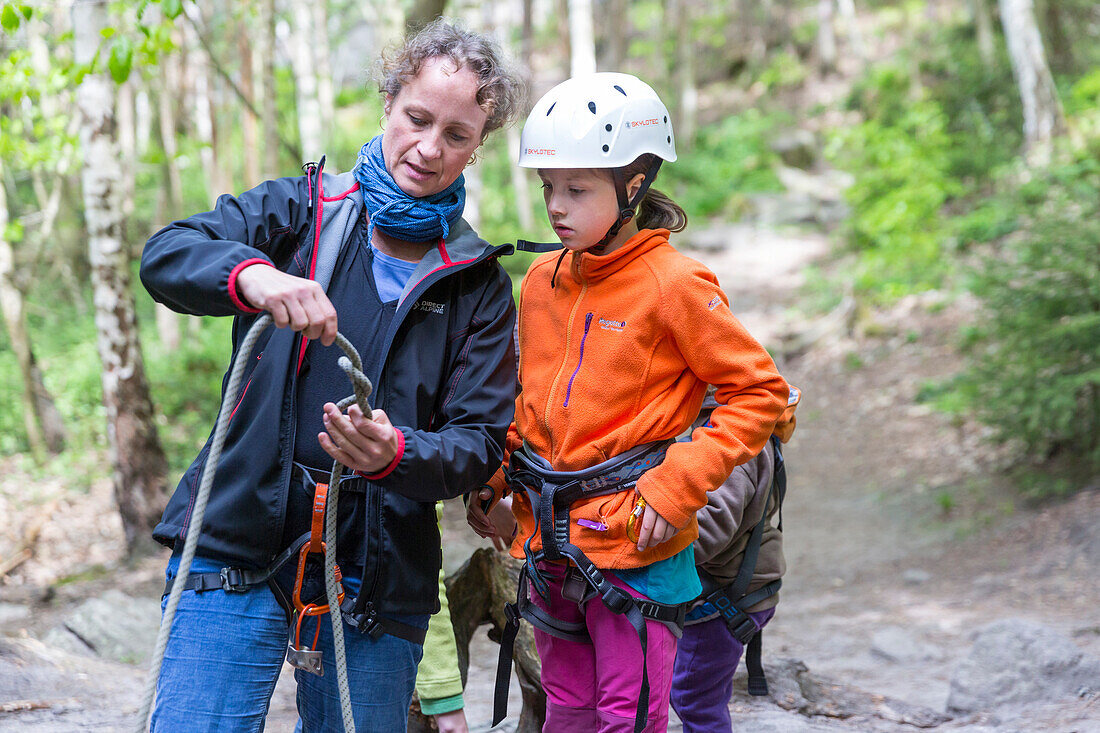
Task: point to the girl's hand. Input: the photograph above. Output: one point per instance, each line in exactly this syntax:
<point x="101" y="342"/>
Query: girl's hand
<point x="291" y="301"/>
<point x="452" y="722"/>
<point x="362" y="444"/>
<point x="654" y="529"/>
<point x="498" y="525"/>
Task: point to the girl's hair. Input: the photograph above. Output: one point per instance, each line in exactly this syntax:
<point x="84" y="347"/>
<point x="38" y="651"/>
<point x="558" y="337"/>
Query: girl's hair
<point x="500" y="90"/>
<point x="656" y="210"/>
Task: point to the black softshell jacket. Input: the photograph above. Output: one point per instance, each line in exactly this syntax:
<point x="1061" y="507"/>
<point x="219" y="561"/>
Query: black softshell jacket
<point x="447" y="383"/>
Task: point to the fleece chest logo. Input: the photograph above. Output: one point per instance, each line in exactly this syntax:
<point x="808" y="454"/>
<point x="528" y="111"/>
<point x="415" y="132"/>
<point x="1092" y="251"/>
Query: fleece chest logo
<point x="609" y="325"/>
<point x="429" y="306"/>
<point x="714" y="303"/>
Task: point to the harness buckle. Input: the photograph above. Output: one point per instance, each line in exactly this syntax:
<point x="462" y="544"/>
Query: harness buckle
<point x="617" y="600"/>
<point x="742" y="627"/>
<point x="233" y="580"/>
<point x="511" y="613"/>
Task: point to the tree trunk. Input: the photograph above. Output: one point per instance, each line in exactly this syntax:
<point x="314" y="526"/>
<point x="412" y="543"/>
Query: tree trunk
<point x="423" y="12"/>
<point x="249" y="122"/>
<point x="582" y="40"/>
<point x="42" y="434"/>
<point x="305" y="75"/>
<point x="826" y="37"/>
<point x="855" y="36"/>
<point x="617" y="31"/>
<point x="326" y="96"/>
<point x="266" y="44"/>
<point x="127" y="140"/>
<point x="1061" y="50"/>
<point x="136" y="454"/>
<point x="983" y="30"/>
<point x="1043" y="117"/>
<point x="686" y="92"/>
<point x="205" y="117"/>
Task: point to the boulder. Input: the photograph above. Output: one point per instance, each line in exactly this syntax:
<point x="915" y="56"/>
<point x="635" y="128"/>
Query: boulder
<point x="1020" y="662"/>
<point x="895" y="644"/>
<point x="113" y="626"/>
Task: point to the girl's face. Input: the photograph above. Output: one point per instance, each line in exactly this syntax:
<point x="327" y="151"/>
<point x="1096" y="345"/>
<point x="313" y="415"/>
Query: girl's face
<point x="433" y="126"/>
<point x="580" y="203"/>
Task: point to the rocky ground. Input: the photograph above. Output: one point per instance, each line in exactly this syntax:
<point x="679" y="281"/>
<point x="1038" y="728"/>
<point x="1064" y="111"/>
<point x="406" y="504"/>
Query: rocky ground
<point x="921" y="592"/>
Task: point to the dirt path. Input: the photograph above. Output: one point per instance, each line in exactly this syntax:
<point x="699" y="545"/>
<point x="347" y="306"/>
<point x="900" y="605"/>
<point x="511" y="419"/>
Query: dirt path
<point x="893" y="528"/>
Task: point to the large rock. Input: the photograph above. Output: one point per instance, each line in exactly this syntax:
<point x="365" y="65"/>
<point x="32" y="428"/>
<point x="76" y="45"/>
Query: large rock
<point x="1016" y="662"/>
<point x="796" y="148"/>
<point x="113" y="626"/>
<point x="895" y="644"/>
<point x="794" y="687"/>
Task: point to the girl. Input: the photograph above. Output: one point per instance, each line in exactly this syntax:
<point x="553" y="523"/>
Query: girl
<point x="619" y="335"/>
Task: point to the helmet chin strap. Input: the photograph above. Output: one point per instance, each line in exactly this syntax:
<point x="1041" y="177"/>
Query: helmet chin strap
<point x="626" y="208"/>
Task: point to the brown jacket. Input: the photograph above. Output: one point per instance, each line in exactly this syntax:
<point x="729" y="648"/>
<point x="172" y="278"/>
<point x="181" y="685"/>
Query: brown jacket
<point x="726" y="522"/>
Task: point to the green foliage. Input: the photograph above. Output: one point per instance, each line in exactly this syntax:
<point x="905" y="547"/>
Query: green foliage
<point x="724" y="162"/>
<point x="1035" y="373"/>
<point x="901" y="163"/>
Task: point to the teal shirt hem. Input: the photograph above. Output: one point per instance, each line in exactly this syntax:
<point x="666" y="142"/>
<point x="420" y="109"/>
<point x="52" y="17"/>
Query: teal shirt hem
<point x="672" y="580"/>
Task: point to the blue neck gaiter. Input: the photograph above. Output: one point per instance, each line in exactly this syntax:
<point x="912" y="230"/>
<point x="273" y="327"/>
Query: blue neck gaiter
<point x="397" y="213"/>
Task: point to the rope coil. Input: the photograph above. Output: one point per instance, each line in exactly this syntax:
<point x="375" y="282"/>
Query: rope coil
<point x="352" y="365"/>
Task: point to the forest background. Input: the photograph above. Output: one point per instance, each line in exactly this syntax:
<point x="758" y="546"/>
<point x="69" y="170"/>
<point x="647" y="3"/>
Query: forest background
<point x="962" y="136"/>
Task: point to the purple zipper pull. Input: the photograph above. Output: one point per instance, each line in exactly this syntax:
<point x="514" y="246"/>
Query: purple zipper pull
<point x="598" y="526"/>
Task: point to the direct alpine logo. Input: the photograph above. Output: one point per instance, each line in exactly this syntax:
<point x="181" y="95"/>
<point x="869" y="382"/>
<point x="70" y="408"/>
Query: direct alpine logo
<point x="609" y="325"/>
<point x="429" y="306"/>
<point x="642" y="123"/>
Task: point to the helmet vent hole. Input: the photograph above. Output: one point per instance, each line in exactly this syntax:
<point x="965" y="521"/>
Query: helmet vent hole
<point x="605" y="148"/>
<point x="619" y="89"/>
<point x="592" y="107"/>
<point x="666" y="120"/>
<point x="607" y="127"/>
<point x="668" y="139"/>
<point x="555" y="104"/>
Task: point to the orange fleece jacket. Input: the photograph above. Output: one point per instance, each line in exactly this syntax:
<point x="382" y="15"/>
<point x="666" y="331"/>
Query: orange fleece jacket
<point x="619" y="353"/>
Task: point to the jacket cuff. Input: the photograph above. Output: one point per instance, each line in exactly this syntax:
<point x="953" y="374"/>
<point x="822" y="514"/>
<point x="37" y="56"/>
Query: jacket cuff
<point x="438" y="705"/>
<point x="233" y="294"/>
<point x="393" y="464"/>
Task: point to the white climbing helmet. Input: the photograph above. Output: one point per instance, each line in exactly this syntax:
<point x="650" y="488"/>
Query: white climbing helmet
<point x="602" y="120"/>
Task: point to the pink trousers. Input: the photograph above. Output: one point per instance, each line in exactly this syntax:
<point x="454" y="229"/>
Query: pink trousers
<point x="595" y="687"/>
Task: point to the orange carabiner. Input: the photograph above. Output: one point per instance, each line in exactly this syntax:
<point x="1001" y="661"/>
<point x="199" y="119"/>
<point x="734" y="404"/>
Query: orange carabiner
<point x="315" y="545"/>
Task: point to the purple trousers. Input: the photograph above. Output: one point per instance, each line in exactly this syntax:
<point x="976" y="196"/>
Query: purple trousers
<point x="702" y="676"/>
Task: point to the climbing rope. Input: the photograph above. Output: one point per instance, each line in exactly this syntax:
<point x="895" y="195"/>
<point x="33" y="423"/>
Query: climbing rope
<point x="353" y="366"/>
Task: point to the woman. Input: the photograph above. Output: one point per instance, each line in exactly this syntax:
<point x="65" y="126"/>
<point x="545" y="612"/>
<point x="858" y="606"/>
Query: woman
<point x="431" y="312"/>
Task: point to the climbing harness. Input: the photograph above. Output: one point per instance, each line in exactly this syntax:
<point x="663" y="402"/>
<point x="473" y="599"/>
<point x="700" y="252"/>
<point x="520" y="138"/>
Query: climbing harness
<point x="234" y="579"/>
<point x="551" y="494"/>
<point x="732" y="601"/>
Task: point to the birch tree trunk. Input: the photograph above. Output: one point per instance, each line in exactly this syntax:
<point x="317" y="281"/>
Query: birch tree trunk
<point x="582" y="40"/>
<point x="305" y="75"/>
<point x="855" y="36"/>
<point x="168" y="322"/>
<point x="1043" y="117"/>
<point x="138" y="460"/>
<point x="266" y="50"/>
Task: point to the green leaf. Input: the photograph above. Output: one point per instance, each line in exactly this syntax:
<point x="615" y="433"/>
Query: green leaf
<point x="107" y="32"/>
<point x="172" y="8"/>
<point x="27" y="11"/>
<point x="121" y="59"/>
<point x="9" y="19"/>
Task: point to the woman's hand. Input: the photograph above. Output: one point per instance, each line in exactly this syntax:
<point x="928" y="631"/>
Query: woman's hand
<point x="291" y="301"/>
<point x="499" y="524"/>
<point x="452" y="722"/>
<point x="654" y="529"/>
<point x="363" y="444"/>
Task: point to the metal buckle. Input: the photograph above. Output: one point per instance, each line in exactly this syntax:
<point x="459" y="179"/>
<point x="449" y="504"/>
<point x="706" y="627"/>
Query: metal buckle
<point x="227" y="585"/>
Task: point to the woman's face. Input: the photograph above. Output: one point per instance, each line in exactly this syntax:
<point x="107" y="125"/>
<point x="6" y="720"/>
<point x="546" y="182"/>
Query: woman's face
<point x="433" y="126"/>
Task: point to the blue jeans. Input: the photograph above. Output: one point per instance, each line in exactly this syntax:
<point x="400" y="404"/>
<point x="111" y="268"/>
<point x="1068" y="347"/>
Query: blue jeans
<point x="226" y="650"/>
